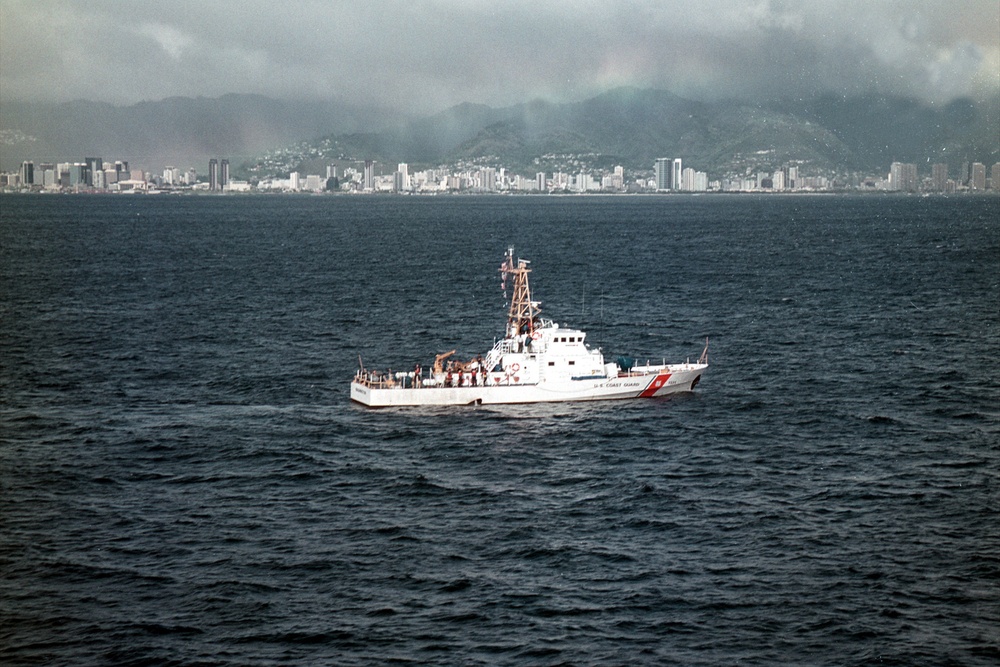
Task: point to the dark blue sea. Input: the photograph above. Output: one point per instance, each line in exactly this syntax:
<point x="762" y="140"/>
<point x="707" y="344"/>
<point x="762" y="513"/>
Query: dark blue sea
<point x="184" y="480"/>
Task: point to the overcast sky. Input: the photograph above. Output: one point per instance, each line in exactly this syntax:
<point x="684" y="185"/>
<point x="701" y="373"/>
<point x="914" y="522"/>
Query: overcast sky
<point x="427" y="55"/>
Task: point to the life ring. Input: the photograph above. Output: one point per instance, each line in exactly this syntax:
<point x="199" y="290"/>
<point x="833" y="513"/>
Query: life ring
<point x="515" y="367"/>
<point x="535" y="335"/>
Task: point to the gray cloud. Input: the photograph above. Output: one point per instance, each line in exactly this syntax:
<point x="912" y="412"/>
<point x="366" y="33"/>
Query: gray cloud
<point x="425" y="56"/>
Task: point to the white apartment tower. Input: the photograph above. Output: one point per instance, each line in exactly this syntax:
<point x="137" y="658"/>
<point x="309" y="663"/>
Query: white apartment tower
<point x="404" y="176"/>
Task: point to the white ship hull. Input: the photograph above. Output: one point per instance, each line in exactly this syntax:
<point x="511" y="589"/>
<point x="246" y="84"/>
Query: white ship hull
<point x="661" y="382"/>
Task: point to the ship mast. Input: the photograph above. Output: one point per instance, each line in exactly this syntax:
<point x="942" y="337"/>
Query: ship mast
<point x="523" y="312"/>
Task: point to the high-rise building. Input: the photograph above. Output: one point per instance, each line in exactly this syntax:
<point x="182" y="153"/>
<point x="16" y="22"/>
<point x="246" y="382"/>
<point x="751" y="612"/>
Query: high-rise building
<point x="903" y="177"/>
<point x="223" y="174"/>
<point x="668" y="174"/>
<point x="661" y="172"/>
<point x="27" y="173"/>
<point x="977" y="177"/>
<point x="939" y="176"/>
<point x="45" y="175"/>
<point x="701" y="181"/>
<point x="94" y="165"/>
<point x="540" y="181"/>
<point x="314" y="183"/>
<point x="369" y="177"/>
<point x="78" y="174"/>
<point x="614" y="181"/>
<point x="584" y="182"/>
<point x="793" y="178"/>
<point x="213" y="174"/>
<point x="995" y="176"/>
<point x="404" y="176"/>
<point x="687" y="179"/>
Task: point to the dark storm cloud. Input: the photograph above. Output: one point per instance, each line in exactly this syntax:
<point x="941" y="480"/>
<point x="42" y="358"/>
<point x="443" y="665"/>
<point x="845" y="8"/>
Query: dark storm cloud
<point x="426" y="56"/>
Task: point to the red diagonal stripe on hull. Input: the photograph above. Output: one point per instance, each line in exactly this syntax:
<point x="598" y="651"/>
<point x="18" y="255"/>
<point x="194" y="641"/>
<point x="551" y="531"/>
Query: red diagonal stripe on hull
<point x="654" y="385"/>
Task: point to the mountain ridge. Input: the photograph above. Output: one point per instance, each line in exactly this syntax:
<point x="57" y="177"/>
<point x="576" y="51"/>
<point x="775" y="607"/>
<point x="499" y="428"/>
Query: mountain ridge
<point x="628" y="125"/>
<point x="180" y="131"/>
<point x="633" y="127"/>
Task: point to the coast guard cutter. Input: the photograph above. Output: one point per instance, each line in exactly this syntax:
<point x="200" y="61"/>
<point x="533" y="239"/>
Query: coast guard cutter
<point x="536" y="361"/>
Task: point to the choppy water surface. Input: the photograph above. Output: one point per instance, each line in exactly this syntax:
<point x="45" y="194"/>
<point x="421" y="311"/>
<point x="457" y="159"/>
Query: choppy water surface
<point x="183" y="479"/>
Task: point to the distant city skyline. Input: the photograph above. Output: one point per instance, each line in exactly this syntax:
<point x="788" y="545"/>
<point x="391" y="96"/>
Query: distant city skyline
<point x="667" y="175"/>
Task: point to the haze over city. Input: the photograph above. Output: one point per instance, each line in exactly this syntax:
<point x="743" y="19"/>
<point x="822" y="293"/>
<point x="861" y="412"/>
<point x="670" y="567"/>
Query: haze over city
<point x="426" y="56"/>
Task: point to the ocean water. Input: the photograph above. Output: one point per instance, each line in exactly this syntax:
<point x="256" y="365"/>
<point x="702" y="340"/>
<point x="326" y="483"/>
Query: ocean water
<point x="184" y="481"/>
